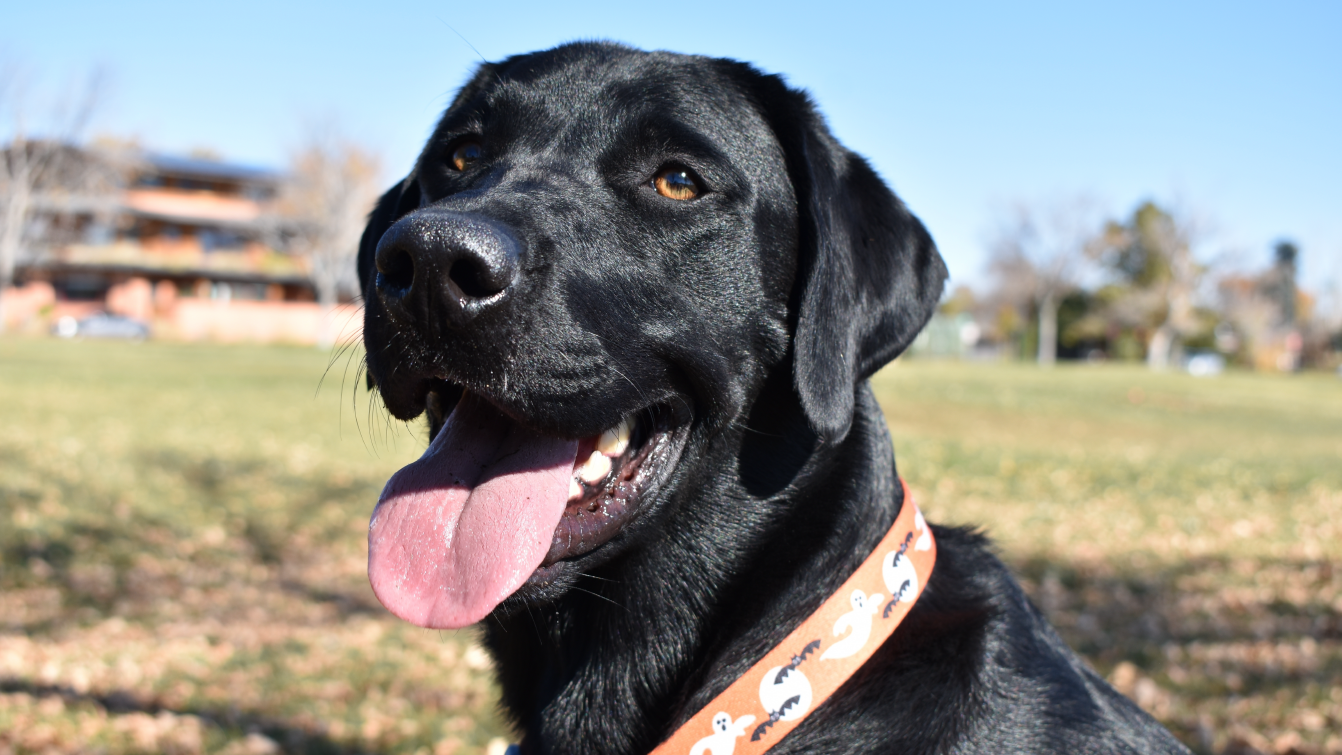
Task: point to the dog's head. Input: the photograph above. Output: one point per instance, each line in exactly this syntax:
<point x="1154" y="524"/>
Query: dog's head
<point x="601" y="256"/>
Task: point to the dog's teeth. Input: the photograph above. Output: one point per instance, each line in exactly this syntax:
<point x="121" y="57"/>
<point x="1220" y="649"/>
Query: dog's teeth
<point x="574" y="489"/>
<point x="595" y="469"/>
<point x="614" y="441"/>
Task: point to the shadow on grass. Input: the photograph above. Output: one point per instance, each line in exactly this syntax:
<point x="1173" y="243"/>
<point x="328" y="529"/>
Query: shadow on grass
<point x="1214" y="599"/>
<point x="1229" y="626"/>
<point x="231" y="723"/>
<point x="345" y="604"/>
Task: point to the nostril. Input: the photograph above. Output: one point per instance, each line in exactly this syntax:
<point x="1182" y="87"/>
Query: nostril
<point x="473" y="279"/>
<point x="396" y="270"/>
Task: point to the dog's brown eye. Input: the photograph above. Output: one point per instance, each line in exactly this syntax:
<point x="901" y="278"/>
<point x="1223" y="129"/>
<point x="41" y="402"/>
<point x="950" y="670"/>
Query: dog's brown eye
<point x="466" y="155"/>
<point x="676" y="183"/>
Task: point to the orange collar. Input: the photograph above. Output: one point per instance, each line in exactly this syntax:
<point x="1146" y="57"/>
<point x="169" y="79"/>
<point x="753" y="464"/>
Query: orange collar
<point x="801" y="672"/>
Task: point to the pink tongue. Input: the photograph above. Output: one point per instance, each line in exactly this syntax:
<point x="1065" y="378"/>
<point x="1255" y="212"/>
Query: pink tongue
<point x="459" y="530"/>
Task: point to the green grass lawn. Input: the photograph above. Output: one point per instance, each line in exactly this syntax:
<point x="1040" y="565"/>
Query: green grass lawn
<point x="1182" y="533"/>
<point x="182" y="533"/>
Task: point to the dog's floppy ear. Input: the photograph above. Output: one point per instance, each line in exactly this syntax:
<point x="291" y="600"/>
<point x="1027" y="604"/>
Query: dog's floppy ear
<point x="399" y="200"/>
<point x="868" y="274"/>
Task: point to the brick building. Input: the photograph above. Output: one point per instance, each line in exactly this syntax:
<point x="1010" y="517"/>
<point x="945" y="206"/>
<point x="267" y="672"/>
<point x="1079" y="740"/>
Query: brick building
<point x="192" y="247"/>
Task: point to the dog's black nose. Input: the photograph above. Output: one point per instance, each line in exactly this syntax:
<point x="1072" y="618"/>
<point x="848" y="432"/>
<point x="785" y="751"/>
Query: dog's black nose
<point x="439" y="264"/>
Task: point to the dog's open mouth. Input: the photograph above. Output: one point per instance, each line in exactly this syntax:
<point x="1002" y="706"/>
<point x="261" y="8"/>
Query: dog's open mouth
<point x="493" y="505"/>
<point x="611" y="472"/>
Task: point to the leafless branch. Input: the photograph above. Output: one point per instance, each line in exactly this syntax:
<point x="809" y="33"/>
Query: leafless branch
<point x="332" y="185"/>
<point x="1037" y="255"/>
<point x="39" y="164"/>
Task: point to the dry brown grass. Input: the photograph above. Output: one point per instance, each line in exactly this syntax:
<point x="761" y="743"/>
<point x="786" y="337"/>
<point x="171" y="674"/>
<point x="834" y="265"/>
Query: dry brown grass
<point x="182" y="531"/>
<point x="182" y="545"/>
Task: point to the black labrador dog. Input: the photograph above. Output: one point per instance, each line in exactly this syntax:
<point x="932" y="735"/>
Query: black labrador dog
<point x="638" y="296"/>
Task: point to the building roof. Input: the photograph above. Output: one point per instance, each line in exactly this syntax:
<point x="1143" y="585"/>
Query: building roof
<point x="209" y="169"/>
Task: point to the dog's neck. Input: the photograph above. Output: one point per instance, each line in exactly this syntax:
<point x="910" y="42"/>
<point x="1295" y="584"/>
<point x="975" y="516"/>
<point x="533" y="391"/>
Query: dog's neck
<point x="753" y="547"/>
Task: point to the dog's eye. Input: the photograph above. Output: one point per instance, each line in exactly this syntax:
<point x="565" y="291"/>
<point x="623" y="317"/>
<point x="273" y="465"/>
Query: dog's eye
<point x="466" y="155"/>
<point x="676" y="183"/>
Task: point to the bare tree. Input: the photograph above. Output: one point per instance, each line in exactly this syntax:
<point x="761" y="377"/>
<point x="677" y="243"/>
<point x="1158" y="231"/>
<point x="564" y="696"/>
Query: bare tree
<point x="1250" y="313"/>
<point x="332" y="185"/>
<point x="1037" y="255"/>
<point x="1152" y="254"/>
<point x="37" y="161"/>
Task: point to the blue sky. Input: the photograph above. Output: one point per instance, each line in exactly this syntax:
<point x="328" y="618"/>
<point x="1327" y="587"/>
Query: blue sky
<point x="1231" y="109"/>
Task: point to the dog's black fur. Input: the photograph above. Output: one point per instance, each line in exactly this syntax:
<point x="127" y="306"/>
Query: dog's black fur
<point x="756" y="312"/>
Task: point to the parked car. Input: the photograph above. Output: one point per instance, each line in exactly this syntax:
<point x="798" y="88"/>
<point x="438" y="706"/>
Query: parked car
<point x="1206" y="364"/>
<point x="102" y="325"/>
